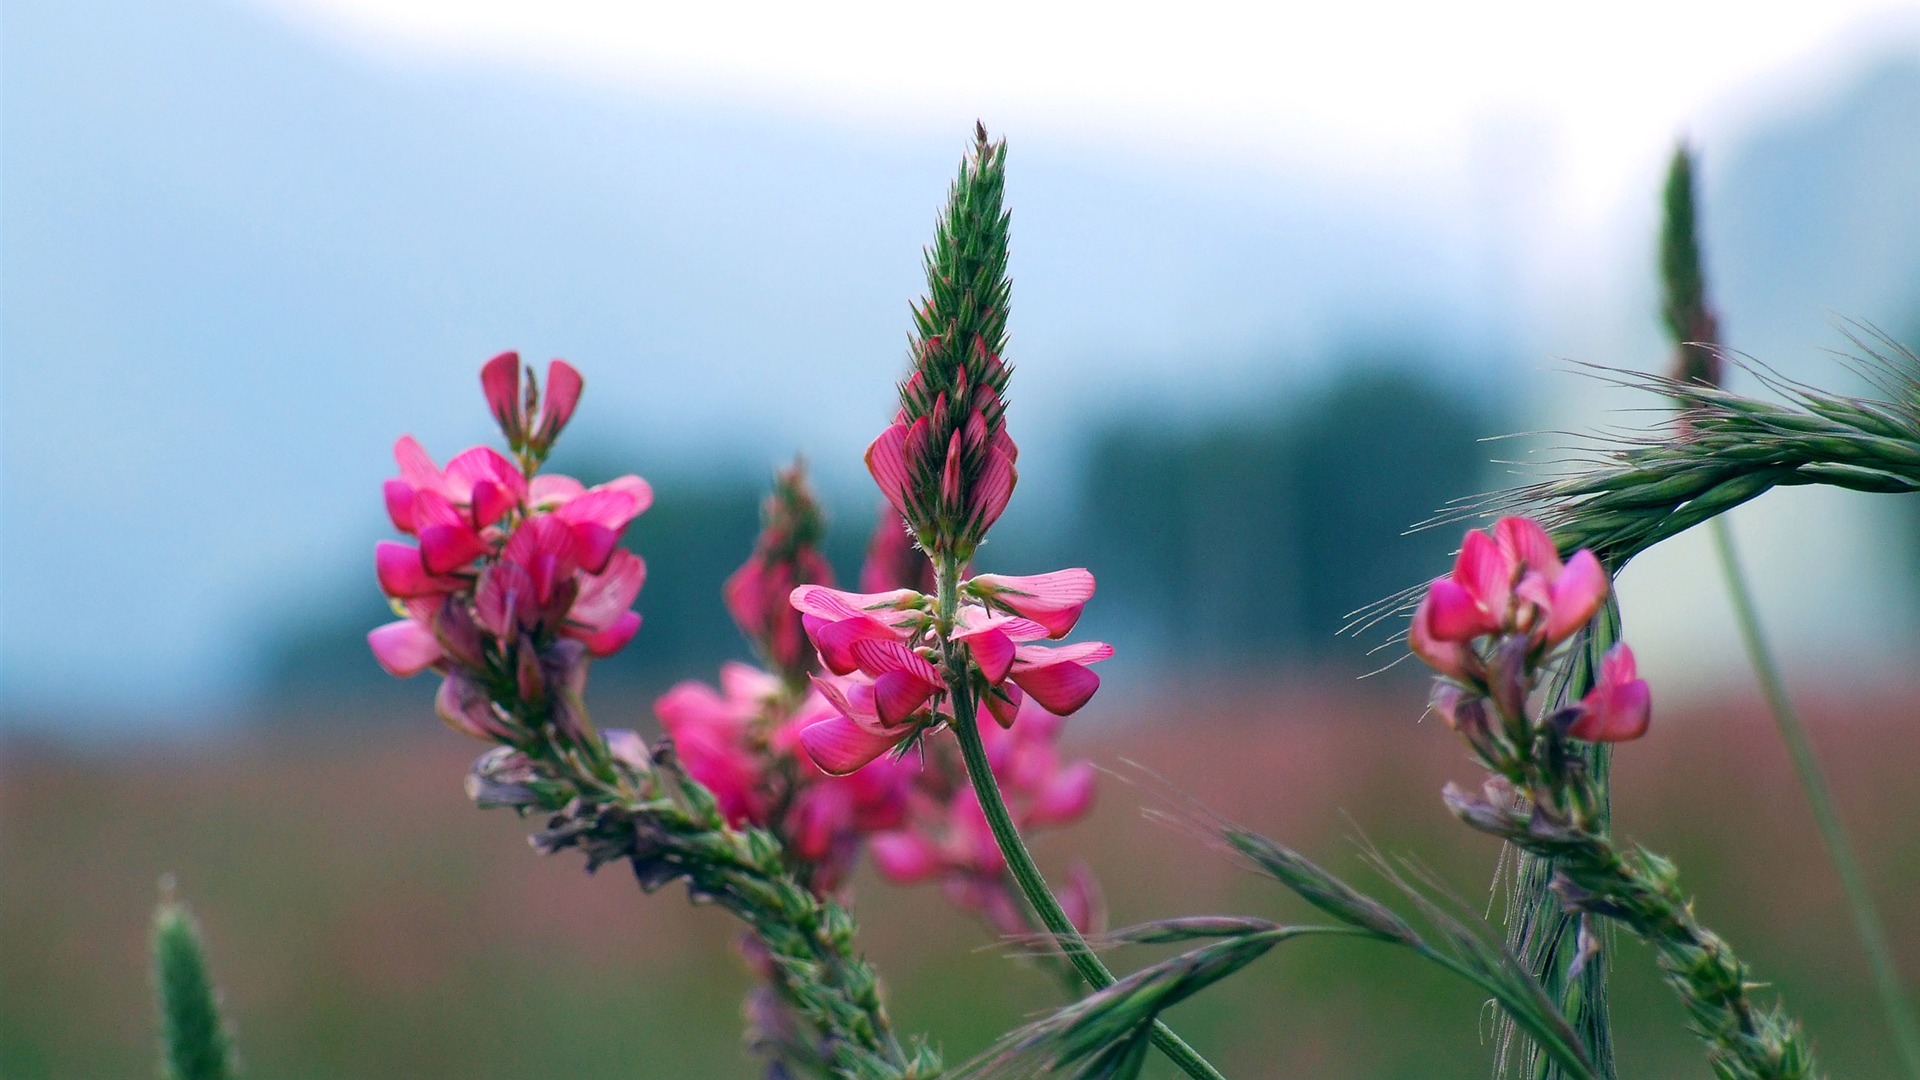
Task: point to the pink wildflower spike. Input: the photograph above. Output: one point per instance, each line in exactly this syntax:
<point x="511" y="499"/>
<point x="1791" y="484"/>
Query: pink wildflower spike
<point x="563" y="394"/>
<point x="500" y="381"/>
<point x="1575" y="597"/>
<point x="404" y="648"/>
<point x="403" y="575"/>
<point x="839" y="746"/>
<point x="1053" y="600"/>
<point x="1620" y="706"/>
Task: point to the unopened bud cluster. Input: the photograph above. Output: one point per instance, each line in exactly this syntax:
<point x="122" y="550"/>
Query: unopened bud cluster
<point x="946" y="463"/>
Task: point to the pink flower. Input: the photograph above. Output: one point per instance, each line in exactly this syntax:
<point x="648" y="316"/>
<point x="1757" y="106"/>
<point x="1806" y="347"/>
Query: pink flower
<point x="881" y="648"/>
<point x="1053" y="600"/>
<point x="1620" y="705"/>
<point x="541" y="585"/>
<point x="712" y="733"/>
<point x="1509" y="582"/>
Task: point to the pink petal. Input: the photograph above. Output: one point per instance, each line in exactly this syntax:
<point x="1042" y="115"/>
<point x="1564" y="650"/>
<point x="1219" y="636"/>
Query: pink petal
<point x="835" y="640"/>
<point x="839" y="746"/>
<point x="992" y="489"/>
<point x="887" y="461"/>
<point x="563" y="394"/>
<point x="1054" y="600"/>
<point x="470" y="467"/>
<point x="1003" y="704"/>
<point x="1577" y="595"/>
<point x="490" y="503"/>
<point x="878" y="656"/>
<point x="851" y="697"/>
<point x="1454" y="614"/>
<point x="640" y="490"/>
<point x="897" y="606"/>
<point x="399" y="498"/>
<point x="549" y="490"/>
<point x="897" y="695"/>
<point x="615" y="637"/>
<point x="604" y="598"/>
<point x="1526" y="543"/>
<point x="1447" y="657"/>
<point x="500" y="381"/>
<point x="405" y="648"/>
<point x="906" y="858"/>
<point x="1080" y="652"/>
<point x="1060" y="688"/>
<point x="993" y="651"/>
<point x="403" y="575"/>
<point x="449" y="547"/>
<point x="1487" y="575"/>
<point x="1622" y="714"/>
<point x="416" y="468"/>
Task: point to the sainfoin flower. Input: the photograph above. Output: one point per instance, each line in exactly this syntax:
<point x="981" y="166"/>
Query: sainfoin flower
<point x="1509" y="582"/>
<point x="518" y="575"/>
<point x="881" y="655"/>
<point x="1620" y="705"/>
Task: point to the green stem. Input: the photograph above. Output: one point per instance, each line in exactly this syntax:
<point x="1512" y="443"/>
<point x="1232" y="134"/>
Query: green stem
<point x="1019" y="861"/>
<point x="1833" y="832"/>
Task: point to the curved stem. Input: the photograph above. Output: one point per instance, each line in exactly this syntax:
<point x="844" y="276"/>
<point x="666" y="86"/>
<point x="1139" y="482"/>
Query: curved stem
<point x="1019" y="861"/>
<point x="1833" y="832"/>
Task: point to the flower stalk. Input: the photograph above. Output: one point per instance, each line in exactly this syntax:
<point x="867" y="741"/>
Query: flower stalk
<point x="1020" y="864"/>
<point x="1491" y="629"/>
<point x="1695" y="331"/>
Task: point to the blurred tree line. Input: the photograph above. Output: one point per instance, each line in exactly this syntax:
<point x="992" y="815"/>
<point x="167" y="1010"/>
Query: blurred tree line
<point x="1237" y="541"/>
<point x="1248" y="542"/>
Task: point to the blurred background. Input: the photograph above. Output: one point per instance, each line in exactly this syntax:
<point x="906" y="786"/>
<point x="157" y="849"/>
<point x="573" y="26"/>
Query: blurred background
<point x="1278" y="274"/>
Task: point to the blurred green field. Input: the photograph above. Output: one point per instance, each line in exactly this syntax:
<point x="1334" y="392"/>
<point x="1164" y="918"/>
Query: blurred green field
<point x="365" y="921"/>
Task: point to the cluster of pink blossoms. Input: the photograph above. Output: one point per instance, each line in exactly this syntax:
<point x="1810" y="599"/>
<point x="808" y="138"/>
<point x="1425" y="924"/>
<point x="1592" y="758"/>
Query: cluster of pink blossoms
<point x="882" y="648"/>
<point x="1508" y="604"/>
<point x="756" y="743"/>
<point x="518" y="576"/>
